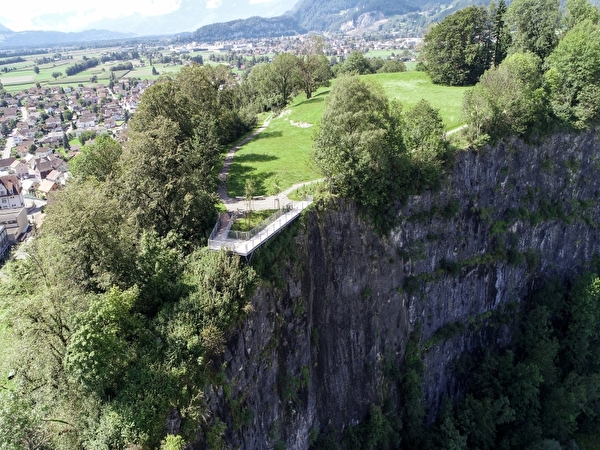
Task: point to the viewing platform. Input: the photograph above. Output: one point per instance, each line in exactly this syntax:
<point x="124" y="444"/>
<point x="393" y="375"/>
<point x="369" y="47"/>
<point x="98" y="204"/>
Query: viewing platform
<point x="244" y="243"/>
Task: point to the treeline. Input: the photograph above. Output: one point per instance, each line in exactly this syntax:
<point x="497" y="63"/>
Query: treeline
<point x="14" y="60"/>
<point x="87" y="63"/>
<point x="526" y="63"/>
<point x="117" y="318"/>
<point x="122" y="66"/>
<point x="120" y="56"/>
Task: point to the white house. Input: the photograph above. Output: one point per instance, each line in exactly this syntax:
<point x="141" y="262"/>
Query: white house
<point x="10" y="193"/>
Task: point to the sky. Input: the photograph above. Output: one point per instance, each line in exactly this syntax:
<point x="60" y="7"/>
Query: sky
<point x="78" y="15"/>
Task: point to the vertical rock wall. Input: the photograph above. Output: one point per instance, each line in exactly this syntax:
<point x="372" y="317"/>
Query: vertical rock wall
<point x="312" y="355"/>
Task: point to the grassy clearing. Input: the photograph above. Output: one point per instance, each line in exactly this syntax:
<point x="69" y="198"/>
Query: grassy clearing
<point x="282" y="153"/>
<point x="410" y="87"/>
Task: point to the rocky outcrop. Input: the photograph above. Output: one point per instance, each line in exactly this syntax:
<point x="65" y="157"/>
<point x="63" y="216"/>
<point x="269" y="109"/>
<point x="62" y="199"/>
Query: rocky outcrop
<point x="312" y="355"/>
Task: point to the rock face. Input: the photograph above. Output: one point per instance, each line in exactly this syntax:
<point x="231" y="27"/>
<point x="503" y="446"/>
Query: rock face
<point x="312" y="354"/>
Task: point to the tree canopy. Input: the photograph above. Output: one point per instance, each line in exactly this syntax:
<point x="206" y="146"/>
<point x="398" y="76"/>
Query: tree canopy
<point x="457" y="50"/>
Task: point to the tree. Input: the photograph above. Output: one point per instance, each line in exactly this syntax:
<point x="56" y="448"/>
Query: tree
<point x="36" y="70"/>
<point x="534" y="24"/>
<point x="154" y="71"/>
<point x="355" y="63"/>
<point x="501" y="38"/>
<point x="457" y="50"/>
<point x="285" y="77"/>
<point x="55" y="75"/>
<point x="574" y="75"/>
<point x="98" y="160"/>
<point x="169" y="184"/>
<point x="424" y="140"/>
<point x="356" y="146"/>
<point x="65" y="142"/>
<point x="392" y="66"/>
<point x="508" y="99"/>
<point x="579" y="10"/>
<point x="313" y="66"/>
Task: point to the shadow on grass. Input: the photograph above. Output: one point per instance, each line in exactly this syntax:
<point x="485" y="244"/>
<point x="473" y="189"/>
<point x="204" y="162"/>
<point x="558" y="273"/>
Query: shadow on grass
<point x="315" y="99"/>
<point x="266" y="135"/>
<point x="236" y="184"/>
<point x="252" y="158"/>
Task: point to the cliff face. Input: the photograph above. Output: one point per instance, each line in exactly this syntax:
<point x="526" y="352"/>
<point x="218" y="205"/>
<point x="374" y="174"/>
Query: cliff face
<point x="313" y="354"/>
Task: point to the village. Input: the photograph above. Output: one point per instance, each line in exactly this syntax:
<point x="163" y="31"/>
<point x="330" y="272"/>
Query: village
<point x="38" y="125"/>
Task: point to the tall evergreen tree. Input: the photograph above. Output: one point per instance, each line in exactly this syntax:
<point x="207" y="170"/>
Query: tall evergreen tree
<point x="501" y="38"/>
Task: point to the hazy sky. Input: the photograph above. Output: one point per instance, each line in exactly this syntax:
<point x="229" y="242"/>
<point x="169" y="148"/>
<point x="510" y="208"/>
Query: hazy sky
<point x="77" y="15"/>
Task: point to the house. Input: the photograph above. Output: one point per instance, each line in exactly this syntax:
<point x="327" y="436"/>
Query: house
<point x="86" y="121"/>
<point x="30" y="185"/>
<point x="20" y="168"/>
<point x="10" y="113"/>
<point x="4" y="242"/>
<point x="46" y="187"/>
<point x="56" y="176"/>
<point x="10" y="192"/>
<point x="53" y="123"/>
<point x="23" y="148"/>
<point x="14" y="222"/>
<point x="5" y="164"/>
<point x="42" y="152"/>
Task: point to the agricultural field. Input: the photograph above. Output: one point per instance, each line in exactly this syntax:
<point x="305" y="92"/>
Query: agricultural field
<point x="24" y="77"/>
<point x="282" y="153"/>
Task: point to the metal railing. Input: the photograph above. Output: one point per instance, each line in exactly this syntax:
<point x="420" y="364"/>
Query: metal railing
<point x="246" y="235"/>
<point x="215" y="229"/>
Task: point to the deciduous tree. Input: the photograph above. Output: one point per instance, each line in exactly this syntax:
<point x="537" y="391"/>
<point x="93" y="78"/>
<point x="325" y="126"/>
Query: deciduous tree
<point x="457" y="50"/>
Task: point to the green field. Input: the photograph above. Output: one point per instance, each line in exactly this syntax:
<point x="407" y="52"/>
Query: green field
<point x="282" y="153"/>
<point x="410" y="87"/>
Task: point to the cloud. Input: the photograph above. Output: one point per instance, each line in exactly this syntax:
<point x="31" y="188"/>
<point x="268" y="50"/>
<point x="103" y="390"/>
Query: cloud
<point x="213" y="4"/>
<point x="256" y="2"/>
<point x="76" y="15"/>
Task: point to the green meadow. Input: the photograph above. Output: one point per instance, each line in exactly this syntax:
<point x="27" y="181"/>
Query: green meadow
<point x="281" y="155"/>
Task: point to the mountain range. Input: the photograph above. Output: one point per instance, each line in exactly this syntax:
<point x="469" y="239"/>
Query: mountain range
<point x="268" y="18"/>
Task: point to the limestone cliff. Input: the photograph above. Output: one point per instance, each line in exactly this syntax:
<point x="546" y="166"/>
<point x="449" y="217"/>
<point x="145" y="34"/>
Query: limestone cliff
<point x="312" y="355"/>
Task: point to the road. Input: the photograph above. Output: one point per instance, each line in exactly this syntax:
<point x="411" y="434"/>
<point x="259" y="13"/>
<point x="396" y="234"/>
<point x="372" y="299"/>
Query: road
<point x="9" y="146"/>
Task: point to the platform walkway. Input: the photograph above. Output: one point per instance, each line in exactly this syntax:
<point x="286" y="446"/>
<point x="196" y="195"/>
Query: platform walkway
<point x="245" y="243"/>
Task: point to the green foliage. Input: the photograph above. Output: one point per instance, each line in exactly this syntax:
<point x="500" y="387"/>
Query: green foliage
<point x="98" y="159"/>
<point x="98" y="351"/>
<point x="535" y="24"/>
<point x="313" y="66"/>
<point x="168" y="185"/>
<point x="358" y="147"/>
<point x="457" y="50"/>
<point x="172" y="442"/>
<point x="392" y="66"/>
<point x="508" y="100"/>
<point x="543" y="390"/>
<point x="355" y="64"/>
<point x="578" y="11"/>
<point x="574" y="74"/>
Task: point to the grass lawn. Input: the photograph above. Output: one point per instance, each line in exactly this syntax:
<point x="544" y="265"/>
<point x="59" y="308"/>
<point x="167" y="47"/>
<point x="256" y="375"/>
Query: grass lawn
<point x="410" y="87"/>
<point x="251" y="220"/>
<point x="282" y="153"/>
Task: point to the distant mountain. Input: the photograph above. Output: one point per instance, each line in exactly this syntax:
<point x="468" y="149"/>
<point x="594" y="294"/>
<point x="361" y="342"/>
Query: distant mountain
<point x="254" y="27"/>
<point x="48" y="38"/>
<point x="193" y="14"/>
<point x="319" y="15"/>
<point x="4" y="30"/>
